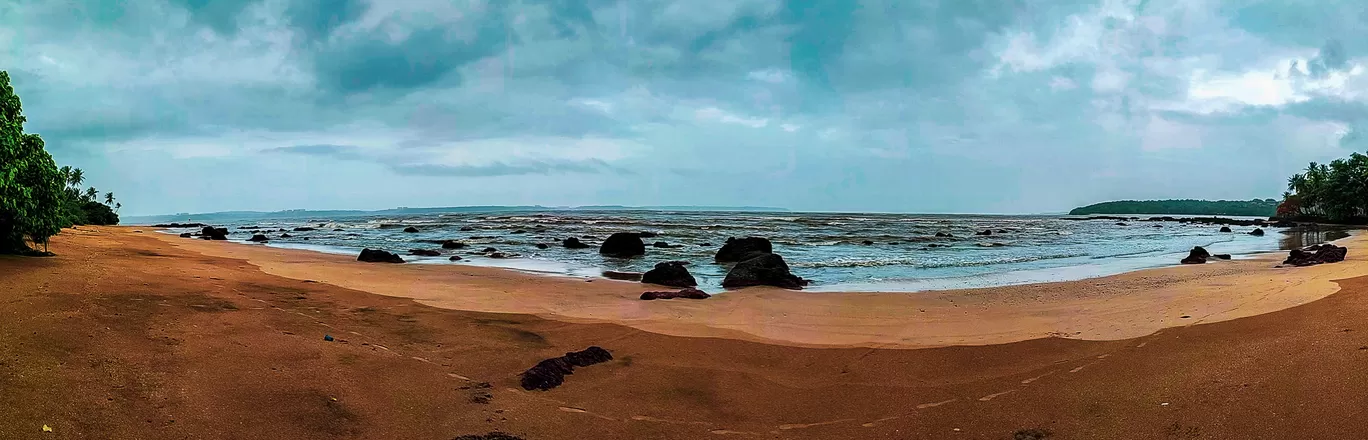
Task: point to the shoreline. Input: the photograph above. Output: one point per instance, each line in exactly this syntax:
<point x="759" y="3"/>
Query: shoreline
<point x="1112" y="307"/>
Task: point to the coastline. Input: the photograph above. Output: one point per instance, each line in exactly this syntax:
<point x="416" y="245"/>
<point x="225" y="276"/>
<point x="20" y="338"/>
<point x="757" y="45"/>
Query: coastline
<point x="1113" y="307"/>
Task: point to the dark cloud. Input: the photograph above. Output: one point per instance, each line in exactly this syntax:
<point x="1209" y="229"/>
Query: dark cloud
<point x="219" y="15"/>
<point x="317" y="19"/>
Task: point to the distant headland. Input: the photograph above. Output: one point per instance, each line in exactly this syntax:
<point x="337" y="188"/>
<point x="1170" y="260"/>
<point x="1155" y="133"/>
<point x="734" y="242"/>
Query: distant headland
<point x="1250" y="208"/>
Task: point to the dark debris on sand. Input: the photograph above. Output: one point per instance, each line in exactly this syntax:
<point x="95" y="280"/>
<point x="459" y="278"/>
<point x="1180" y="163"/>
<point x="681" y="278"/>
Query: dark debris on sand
<point x="490" y="436"/>
<point x="551" y="373"/>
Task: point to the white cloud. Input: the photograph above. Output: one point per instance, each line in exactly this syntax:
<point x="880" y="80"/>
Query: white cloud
<point x="772" y="76"/>
<point x="1061" y="83"/>
<point x="719" y="115"/>
<point x="789" y="127"/>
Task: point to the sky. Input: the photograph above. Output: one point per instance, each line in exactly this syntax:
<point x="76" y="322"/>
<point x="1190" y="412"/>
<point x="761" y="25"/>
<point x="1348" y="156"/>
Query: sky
<point x="955" y="106"/>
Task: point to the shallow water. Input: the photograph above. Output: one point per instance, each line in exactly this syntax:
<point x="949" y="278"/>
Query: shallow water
<point x="826" y="248"/>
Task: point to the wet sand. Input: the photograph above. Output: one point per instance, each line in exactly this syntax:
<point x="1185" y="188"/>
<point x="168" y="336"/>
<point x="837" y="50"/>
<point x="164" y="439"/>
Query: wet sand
<point x="1108" y="308"/>
<point x="126" y="336"/>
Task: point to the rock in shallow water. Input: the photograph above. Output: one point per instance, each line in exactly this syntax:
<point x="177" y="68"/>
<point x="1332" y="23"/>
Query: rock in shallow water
<point x="258" y="238"/>
<point x="573" y="243"/>
<point x="671" y="274"/>
<point x="378" y="256"/>
<point x="623" y="245"/>
<point x="763" y="269"/>
<point x="736" y="249"/>
<point x="424" y="252"/>
<point x="1197" y="255"/>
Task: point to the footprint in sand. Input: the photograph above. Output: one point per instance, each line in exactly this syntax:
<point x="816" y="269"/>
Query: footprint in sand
<point x="1033" y="379"/>
<point x="1080" y="368"/>
<point x="995" y="395"/>
<point x="1142" y="344"/>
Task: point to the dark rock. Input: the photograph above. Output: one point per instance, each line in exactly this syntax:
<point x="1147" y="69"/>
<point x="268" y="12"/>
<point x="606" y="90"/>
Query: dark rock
<point x="763" y="269"/>
<point x="1222" y="256"/>
<point x="337" y="230"/>
<point x="867" y="242"/>
<point x="455" y="258"/>
<point x="180" y="225"/>
<point x="285" y="235"/>
<point x="646" y="234"/>
<point x="186" y="235"/>
<point x="688" y="293"/>
<point x="378" y="256"/>
<point x="1313" y="255"/>
<point x="303" y="229"/>
<point x="737" y="249"/>
<point x="499" y="255"/>
<point x="551" y="373"/>
<point x="664" y="245"/>
<point x="212" y="233"/>
<point x="984" y="232"/>
<point x="258" y="238"/>
<point x="1257" y="232"/>
<point x="467" y="229"/>
<point x="623" y="245"/>
<point x="488" y="250"/>
<point x="1197" y="255"/>
<point x="669" y="274"/>
<point x="705" y="244"/>
<point x="1158" y="226"/>
<point x="944" y="235"/>
<point x="494" y="435"/>
<point x="1002" y="231"/>
<point x="1122" y="224"/>
<point x="452" y="244"/>
<point x="542" y="246"/>
<point x="1225" y="229"/>
<point x="1285" y="224"/>
<point x="625" y="276"/>
<point x="520" y="231"/>
<point x="573" y="243"/>
<point x="425" y="252"/>
<point x="410" y="229"/>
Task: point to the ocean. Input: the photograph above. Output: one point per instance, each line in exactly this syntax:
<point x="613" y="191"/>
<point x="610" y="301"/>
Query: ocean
<point x="838" y="252"/>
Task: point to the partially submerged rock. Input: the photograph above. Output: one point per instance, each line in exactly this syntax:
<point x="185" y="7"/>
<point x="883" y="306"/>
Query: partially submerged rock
<point x="551" y="373"/>
<point x="1225" y="229"/>
<point x="623" y="245"/>
<point x="573" y="243"/>
<point x="410" y="229"/>
<point x="258" y="238"/>
<point x="669" y="273"/>
<point x="737" y="249"/>
<point x="212" y="233"/>
<point x="378" y="256"/>
<point x="186" y="235"/>
<point x="425" y="252"/>
<point x="763" y="269"/>
<point x="1197" y="255"/>
<point x="1257" y="232"/>
<point x="453" y="244"/>
<point x="1317" y="254"/>
<point x="624" y="276"/>
<point x="687" y="293"/>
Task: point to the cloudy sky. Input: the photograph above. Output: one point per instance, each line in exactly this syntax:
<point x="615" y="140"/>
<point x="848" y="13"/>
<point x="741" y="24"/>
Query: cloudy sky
<point x="1004" y="106"/>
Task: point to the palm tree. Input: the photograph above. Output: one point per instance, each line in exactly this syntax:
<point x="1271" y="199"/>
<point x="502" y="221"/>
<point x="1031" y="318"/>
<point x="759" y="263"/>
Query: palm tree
<point x="116" y="207"/>
<point x="77" y="177"/>
<point x="91" y="194"/>
<point x="109" y="198"/>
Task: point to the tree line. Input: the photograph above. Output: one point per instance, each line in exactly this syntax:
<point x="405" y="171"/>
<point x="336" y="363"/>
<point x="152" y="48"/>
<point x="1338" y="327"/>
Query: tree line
<point x="38" y="199"/>
<point x="1251" y="208"/>
<point x="1336" y="192"/>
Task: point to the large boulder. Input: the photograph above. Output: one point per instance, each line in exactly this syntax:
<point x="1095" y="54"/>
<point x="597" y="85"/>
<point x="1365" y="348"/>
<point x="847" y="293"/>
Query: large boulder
<point x="573" y="243"/>
<point x="1197" y="255"/>
<point x="737" y="249"/>
<point x="453" y="244"/>
<point x="425" y="252"/>
<point x="212" y="233"/>
<point x="1225" y="229"/>
<point x="687" y="293"/>
<point x="258" y="238"/>
<point x="763" y="269"/>
<point x="410" y="229"/>
<point x="671" y="274"/>
<point x="378" y="256"/>
<point x="1257" y="232"/>
<point x="1313" y="255"/>
<point x="623" y="245"/>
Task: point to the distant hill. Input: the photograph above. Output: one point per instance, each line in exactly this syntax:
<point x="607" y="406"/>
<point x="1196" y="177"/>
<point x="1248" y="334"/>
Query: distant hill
<point x="333" y="214"/>
<point x="1250" y="208"/>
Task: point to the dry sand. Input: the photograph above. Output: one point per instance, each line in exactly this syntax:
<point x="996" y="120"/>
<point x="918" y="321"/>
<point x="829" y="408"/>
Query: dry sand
<point x="124" y="336"/>
<point x="1108" y="308"/>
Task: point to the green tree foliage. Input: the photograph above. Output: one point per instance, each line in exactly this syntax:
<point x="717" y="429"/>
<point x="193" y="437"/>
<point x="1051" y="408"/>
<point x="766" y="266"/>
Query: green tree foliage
<point x="1251" y="208"/>
<point x="1334" y="192"/>
<point x="37" y="199"/>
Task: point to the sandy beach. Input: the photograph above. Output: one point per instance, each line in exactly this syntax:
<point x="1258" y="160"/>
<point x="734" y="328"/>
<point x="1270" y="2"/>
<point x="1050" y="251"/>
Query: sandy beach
<point x="129" y="334"/>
